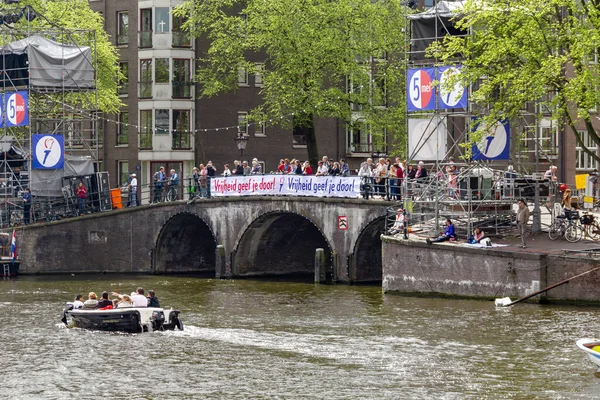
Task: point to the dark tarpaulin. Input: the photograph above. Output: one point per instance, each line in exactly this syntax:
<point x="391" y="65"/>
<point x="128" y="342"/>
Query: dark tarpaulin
<point x="433" y="24"/>
<point x="44" y="63"/>
<point x="48" y="182"/>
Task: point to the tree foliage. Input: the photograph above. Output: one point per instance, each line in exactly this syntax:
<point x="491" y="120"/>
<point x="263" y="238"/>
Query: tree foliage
<point x="309" y="48"/>
<point x="532" y="50"/>
<point x="75" y="22"/>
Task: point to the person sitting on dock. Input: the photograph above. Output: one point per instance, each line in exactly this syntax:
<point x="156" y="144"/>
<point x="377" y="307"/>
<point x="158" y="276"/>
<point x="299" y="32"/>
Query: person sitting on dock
<point x="478" y="235"/>
<point x="104" y="301"/>
<point x="447" y="235"/>
<point x="152" y="299"/>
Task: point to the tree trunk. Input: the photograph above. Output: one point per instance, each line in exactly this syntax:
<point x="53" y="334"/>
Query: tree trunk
<point x="305" y="125"/>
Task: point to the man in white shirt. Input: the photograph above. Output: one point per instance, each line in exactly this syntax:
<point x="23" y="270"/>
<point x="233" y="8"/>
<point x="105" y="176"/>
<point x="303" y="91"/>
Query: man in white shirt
<point x="133" y="191"/>
<point x="138" y="298"/>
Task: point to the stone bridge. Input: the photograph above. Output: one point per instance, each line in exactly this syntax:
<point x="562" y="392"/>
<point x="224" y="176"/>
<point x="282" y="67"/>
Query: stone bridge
<point x="262" y="236"/>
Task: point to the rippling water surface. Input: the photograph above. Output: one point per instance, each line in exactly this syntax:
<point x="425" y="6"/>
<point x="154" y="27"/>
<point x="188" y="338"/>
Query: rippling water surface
<point x="268" y="340"/>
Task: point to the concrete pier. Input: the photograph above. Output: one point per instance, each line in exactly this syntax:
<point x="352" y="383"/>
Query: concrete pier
<point x="448" y="269"/>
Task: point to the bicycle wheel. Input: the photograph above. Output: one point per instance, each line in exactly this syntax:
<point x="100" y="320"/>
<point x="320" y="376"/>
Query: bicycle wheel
<point x="555" y="230"/>
<point x="573" y="233"/>
<point x="593" y="230"/>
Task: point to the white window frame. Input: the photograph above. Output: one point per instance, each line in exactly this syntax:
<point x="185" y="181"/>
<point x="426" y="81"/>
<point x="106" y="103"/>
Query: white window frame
<point x="583" y="161"/>
<point x="242" y="119"/>
<point x="242" y="77"/>
<point x="258" y="75"/>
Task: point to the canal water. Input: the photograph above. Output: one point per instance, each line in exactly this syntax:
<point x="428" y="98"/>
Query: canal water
<point x="279" y="340"/>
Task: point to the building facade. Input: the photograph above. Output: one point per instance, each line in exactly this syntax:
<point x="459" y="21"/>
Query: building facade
<point x="163" y="123"/>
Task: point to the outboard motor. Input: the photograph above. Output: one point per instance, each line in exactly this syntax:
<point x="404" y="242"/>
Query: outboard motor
<point x="158" y="319"/>
<point x="68" y="307"/>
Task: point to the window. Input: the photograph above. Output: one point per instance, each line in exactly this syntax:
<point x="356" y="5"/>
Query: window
<point x="146" y="129"/>
<point x="299" y="133"/>
<point x="123" y="128"/>
<point x="146" y="27"/>
<point x="354" y="88"/>
<point x="123" y="88"/>
<point x="122" y="28"/>
<point x="161" y="70"/>
<point x="359" y="139"/>
<point x="162" y="122"/>
<point x="379" y="94"/>
<point x="123" y="172"/>
<point x="585" y="162"/>
<point x="242" y="123"/>
<point x="98" y="127"/>
<point x="260" y="130"/>
<point x="181" y="78"/>
<point x="258" y="75"/>
<point x="181" y="38"/>
<point x="242" y="77"/>
<point x="162" y="20"/>
<point x="146" y="79"/>
<point x="181" y="129"/>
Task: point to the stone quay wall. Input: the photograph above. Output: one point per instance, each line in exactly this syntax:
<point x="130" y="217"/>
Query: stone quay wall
<point x="413" y="267"/>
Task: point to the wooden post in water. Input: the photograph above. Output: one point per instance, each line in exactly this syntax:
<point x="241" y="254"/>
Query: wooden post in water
<point x="220" y="262"/>
<point x="320" y="267"/>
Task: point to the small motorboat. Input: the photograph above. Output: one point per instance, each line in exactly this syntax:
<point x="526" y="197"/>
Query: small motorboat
<point x="128" y="320"/>
<point x="592" y="348"/>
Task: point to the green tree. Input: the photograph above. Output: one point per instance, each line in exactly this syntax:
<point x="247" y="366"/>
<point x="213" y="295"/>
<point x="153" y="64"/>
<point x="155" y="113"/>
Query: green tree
<point x="310" y="49"/>
<point x="532" y="50"/>
<point x="75" y="22"/>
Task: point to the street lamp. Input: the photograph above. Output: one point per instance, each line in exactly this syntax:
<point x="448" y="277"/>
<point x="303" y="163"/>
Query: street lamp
<point x="241" y="141"/>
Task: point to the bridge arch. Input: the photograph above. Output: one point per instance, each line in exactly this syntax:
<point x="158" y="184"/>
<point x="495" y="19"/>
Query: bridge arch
<point x="280" y="243"/>
<point x="367" y="265"/>
<point x="185" y="243"/>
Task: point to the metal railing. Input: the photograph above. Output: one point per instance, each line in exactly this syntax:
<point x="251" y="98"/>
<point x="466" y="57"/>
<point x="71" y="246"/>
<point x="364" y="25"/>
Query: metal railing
<point x="145" y="39"/>
<point x="181" y="140"/>
<point x="181" y="39"/>
<point x="181" y="89"/>
<point x="145" y="90"/>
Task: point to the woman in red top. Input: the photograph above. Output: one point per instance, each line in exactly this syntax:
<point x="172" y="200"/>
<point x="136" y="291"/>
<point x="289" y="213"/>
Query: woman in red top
<point x="307" y="169"/>
<point x="81" y="193"/>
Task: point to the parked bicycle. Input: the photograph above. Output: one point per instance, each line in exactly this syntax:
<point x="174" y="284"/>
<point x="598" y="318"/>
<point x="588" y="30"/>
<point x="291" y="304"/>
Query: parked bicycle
<point x="591" y="227"/>
<point x="567" y="226"/>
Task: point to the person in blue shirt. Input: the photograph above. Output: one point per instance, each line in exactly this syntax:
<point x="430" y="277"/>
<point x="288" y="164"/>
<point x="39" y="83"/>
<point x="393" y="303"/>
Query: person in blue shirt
<point x="159" y="179"/>
<point x="447" y="235"/>
<point x="26" y="206"/>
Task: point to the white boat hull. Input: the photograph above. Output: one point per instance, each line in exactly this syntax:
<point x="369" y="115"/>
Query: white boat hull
<point x="586" y="345"/>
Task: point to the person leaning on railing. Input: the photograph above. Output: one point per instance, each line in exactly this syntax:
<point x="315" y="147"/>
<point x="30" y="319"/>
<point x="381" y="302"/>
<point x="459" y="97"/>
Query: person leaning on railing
<point x="158" y="180"/>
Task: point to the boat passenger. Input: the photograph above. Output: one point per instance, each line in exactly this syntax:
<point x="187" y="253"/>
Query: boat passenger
<point x="152" y="299"/>
<point x="104" y="301"/>
<point x="78" y="303"/>
<point x="125" y="302"/>
<point x="92" y="301"/>
<point x="138" y="298"/>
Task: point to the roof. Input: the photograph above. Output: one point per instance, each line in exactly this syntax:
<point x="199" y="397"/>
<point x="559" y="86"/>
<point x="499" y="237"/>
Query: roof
<point x="443" y="9"/>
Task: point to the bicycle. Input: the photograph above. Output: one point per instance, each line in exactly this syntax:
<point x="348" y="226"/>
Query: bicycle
<point x="591" y="227"/>
<point x="566" y="225"/>
<point x="171" y="194"/>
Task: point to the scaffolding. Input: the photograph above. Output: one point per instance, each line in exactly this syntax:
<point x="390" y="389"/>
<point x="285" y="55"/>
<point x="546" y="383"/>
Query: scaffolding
<point x="56" y="69"/>
<point x="474" y="192"/>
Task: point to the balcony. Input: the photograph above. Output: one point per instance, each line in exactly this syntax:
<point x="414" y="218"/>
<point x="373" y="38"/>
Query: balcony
<point x="182" y="90"/>
<point x="145" y="90"/>
<point x="123" y="89"/>
<point x="123" y="40"/>
<point x="181" y="140"/>
<point x="145" y="141"/>
<point x="145" y="39"/>
<point x="181" y="39"/>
